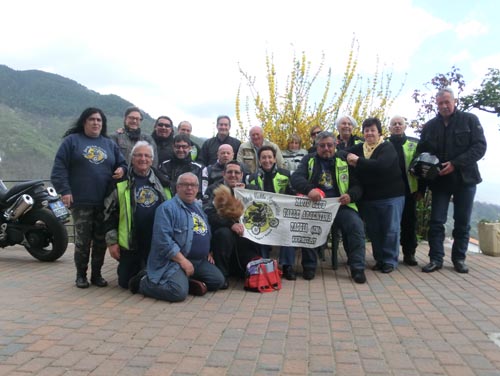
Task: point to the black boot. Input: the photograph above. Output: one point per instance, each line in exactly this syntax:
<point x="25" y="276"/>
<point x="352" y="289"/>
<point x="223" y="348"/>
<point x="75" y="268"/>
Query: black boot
<point x="81" y="280"/>
<point x="97" y="280"/>
<point x="289" y="273"/>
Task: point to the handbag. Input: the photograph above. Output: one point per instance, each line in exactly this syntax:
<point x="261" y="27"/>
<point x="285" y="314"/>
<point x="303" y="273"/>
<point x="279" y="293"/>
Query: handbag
<point x="262" y="275"/>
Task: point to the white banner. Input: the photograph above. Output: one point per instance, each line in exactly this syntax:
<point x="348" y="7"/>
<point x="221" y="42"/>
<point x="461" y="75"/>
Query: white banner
<point x="276" y="219"/>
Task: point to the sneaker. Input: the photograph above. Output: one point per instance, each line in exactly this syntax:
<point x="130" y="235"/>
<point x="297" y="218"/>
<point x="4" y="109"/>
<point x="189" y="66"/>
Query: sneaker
<point x="135" y="282"/>
<point x="197" y="288"/>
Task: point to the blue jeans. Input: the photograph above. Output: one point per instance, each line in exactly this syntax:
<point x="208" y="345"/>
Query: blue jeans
<point x="176" y="289"/>
<point x="383" y="223"/>
<point x="463" y="200"/>
<point x="287" y="254"/>
<point x="353" y="233"/>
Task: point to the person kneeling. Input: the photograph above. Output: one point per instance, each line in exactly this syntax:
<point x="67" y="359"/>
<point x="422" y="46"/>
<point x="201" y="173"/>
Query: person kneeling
<point x="180" y="261"/>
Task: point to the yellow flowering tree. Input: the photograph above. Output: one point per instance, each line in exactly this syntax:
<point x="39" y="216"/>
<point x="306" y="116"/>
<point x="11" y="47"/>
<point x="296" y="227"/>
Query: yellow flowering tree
<point x="295" y="110"/>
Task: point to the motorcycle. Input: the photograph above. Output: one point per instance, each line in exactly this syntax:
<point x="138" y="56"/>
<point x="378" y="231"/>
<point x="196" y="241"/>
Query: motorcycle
<point x="33" y="215"/>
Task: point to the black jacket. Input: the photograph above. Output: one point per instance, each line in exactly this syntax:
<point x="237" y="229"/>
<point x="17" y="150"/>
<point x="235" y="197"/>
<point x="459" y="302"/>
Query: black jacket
<point x="303" y="184"/>
<point x="175" y="167"/>
<point x="164" y="147"/>
<point x="380" y="175"/>
<point x="461" y="142"/>
<point x="211" y="146"/>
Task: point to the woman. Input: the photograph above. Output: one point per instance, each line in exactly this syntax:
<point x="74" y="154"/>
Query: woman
<point x="85" y="163"/>
<point x="377" y="167"/>
<point x="294" y="154"/>
<point x="271" y="178"/>
<point x="315" y="130"/>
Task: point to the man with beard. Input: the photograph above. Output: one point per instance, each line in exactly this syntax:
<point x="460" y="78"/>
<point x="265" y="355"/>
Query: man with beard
<point x="186" y="128"/>
<point x="181" y="163"/>
<point x="131" y="133"/>
<point x="163" y="134"/>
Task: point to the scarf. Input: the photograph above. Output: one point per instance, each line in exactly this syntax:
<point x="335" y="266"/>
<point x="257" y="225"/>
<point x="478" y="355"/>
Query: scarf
<point x="368" y="150"/>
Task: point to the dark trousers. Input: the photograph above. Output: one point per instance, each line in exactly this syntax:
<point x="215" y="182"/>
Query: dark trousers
<point x="463" y="200"/>
<point x="409" y="226"/>
<point x="353" y="234"/>
<point x="232" y="252"/>
<point x="130" y="263"/>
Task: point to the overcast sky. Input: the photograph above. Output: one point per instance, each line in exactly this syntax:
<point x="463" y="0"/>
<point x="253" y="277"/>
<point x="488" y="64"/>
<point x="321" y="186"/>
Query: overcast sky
<point x="182" y="58"/>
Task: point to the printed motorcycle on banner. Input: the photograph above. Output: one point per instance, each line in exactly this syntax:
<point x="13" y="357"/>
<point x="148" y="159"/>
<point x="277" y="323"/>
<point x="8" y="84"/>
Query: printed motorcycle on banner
<point x="295" y="221"/>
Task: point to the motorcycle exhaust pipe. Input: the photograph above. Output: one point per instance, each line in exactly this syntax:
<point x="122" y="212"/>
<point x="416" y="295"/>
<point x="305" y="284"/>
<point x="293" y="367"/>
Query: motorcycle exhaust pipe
<point x="52" y="192"/>
<point x="21" y="206"/>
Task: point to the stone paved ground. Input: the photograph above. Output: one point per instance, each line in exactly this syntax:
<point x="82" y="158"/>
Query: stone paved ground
<point x="404" y="323"/>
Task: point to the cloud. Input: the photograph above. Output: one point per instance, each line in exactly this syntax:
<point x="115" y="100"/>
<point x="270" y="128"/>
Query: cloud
<point x="472" y="28"/>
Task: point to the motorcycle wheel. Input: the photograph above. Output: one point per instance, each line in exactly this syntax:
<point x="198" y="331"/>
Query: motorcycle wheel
<point x="49" y="240"/>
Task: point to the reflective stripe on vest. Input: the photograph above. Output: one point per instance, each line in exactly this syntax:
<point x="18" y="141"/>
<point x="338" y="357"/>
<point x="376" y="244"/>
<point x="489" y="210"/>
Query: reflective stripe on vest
<point x="409" y="148"/>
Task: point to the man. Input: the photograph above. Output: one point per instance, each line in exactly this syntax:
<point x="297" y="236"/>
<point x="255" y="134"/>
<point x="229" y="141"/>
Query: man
<point x="457" y="139"/>
<point x="163" y="135"/>
<point x="406" y="147"/>
<point x="211" y="146"/>
<point x="247" y="155"/>
<point x="129" y="213"/>
<point x="180" y="261"/>
<point x="231" y="250"/>
<point x="345" y="139"/>
<point x="214" y="172"/>
<point x="131" y="133"/>
<point x="185" y="127"/>
<point x="323" y="174"/>
<point x="181" y="163"/>
<point x="345" y="125"/>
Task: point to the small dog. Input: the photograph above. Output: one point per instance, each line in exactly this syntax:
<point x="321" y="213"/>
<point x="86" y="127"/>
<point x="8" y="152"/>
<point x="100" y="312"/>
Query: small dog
<point x="226" y="204"/>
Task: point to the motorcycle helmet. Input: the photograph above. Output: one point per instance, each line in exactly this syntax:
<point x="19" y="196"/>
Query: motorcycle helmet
<point x="425" y="166"/>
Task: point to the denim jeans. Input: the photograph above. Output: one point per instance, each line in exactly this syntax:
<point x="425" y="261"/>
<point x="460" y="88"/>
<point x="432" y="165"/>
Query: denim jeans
<point x="383" y="223"/>
<point x="176" y="288"/>
<point x="463" y="200"/>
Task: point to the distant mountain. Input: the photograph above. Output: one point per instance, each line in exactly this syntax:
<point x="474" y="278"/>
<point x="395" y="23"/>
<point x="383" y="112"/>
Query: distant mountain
<point x="36" y="108"/>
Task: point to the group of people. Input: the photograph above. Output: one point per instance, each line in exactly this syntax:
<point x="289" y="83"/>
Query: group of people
<point x="165" y="207"/>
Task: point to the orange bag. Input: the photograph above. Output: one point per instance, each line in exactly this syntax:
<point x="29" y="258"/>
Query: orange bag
<point x="262" y="275"/>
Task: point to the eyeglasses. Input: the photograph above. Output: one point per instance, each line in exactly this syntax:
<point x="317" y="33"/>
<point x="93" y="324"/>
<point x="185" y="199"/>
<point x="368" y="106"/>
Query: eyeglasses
<point x="315" y="133"/>
<point x="141" y="155"/>
<point x="188" y="185"/>
<point x="134" y="118"/>
<point x="164" y="125"/>
<point x="324" y="146"/>
<point x="182" y="147"/>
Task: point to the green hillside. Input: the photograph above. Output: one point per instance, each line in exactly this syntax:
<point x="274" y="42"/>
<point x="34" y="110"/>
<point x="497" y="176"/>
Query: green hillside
<point x="36" y="108"/>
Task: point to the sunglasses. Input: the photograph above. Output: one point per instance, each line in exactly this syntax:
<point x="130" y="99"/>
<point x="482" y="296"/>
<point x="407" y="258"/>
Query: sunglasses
<point x="164" y="125"/>
<point x="315" y="133"/>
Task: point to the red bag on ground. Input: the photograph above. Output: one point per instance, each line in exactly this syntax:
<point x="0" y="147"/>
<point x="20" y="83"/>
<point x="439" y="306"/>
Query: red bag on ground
<point x="262" y="275"/>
